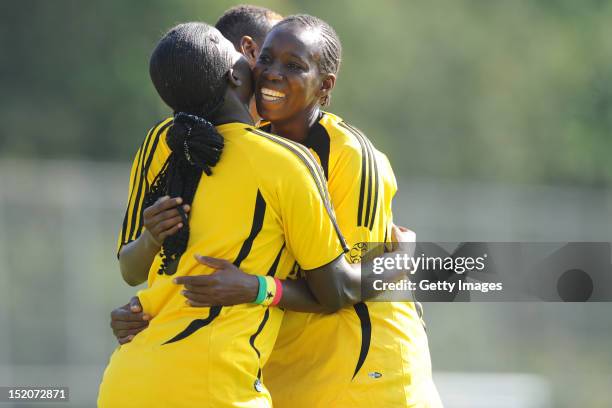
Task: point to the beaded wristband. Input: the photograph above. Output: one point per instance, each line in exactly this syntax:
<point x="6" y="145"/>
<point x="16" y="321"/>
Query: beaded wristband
<point x="263" y="289"/>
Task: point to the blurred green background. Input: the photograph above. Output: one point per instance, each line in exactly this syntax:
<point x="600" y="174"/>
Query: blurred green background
<point x="496" y="115"/>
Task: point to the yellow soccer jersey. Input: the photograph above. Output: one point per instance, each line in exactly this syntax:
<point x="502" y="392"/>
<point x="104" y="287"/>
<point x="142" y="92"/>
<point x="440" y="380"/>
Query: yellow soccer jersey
<point x="265" y="207"/>
<point x="374" y="354"/>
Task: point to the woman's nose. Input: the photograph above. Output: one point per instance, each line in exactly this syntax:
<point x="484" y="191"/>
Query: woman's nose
<point x="272" y="73"/>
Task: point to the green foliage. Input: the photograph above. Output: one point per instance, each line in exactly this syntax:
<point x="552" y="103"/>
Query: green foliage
<point x="516" y="91"/>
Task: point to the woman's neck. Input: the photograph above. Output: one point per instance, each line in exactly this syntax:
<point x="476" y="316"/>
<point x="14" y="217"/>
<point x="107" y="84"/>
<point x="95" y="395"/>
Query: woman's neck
<point x="296" y="128"/>
<point x="232" y="110"/>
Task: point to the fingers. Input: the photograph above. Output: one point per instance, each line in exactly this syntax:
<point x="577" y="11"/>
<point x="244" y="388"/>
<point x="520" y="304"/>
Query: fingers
<point x="159" y="224"/>
<point x="117" y="325"/>
<point x="215" y="263"/>
<point x="164" y="205"/>
<point x="164" y="216"/>
<point x="200" y="280"/>
<point x="163" y="226"/>
<point x="198" y="304"/>
<point x="127" y="315"/>
<point x="124" y="340"/>
<point x="128" y="332"/>
<point x="198" y="297"/>
<point x="170" y="232"/>
<point x="135" y="305"/>
<point x="157" y="206"/>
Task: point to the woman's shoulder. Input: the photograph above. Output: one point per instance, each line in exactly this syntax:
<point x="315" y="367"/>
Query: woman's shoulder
<point x="272" y="151"/>
<point x="344" y="137"/>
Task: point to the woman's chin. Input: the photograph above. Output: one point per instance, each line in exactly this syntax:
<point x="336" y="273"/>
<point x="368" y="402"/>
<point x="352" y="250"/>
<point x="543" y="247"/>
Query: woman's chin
<point x="270" y="111"/>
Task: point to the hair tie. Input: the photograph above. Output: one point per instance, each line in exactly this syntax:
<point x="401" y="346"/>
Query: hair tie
<point x="196" y="147"/>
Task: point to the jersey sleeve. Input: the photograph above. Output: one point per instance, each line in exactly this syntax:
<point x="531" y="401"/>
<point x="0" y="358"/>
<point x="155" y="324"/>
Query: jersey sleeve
<point x="357" y="190"/>
<point x="311" y="231"/>
<point x="147" y="163"/>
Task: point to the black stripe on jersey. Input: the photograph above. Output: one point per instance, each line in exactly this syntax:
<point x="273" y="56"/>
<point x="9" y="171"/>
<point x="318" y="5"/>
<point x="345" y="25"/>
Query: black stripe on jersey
<point x="362" y="186"/>
<point x="274" y="266"/>
<point x="318" y="140"/>
<point x="124" y="228"/>
<point x="364" y="174"/>
<point x="366" y="333"/>
<point x="197" y="325"/>
<point x="134" y="202"/>
<point x="145" y="170"/>
<point x="376" y="184"/>
<point x="315" y="171"/>
<point x="254" y="336"/>
<point x="258" y="218"/>
<point x="370" y="188"/>
<point x="367" y="155"/>
<point x="375" y="166"/>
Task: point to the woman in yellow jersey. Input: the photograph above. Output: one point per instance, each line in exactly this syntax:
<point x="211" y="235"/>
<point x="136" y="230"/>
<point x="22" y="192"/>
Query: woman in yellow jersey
<point x="262" y="203"/>
<point x="371" y="354"/>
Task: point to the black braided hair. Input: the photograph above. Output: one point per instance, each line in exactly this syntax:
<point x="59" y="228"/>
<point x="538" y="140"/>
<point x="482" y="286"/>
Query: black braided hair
<point x="188" y="69"/>
<point x="329" y="44"/>
<point x="246" y="19"/>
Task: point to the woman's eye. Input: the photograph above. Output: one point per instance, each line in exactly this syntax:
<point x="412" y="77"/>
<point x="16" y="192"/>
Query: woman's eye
<point x="294" y="67"/>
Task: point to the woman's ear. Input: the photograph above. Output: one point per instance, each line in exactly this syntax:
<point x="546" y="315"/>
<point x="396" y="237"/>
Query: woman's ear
<point x="233" y="78"/>
<point x="250" y="49"/>
<point x="328" y="83"/>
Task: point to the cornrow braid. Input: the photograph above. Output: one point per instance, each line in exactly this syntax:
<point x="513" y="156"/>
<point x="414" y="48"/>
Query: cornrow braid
<point x="188" y="69"/>
<point x="330" y="45"/>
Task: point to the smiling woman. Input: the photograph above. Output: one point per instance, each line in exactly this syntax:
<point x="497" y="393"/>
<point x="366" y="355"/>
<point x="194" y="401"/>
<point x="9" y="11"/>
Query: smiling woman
<point x="374" y="353"/>
<point x="295" y="74"/>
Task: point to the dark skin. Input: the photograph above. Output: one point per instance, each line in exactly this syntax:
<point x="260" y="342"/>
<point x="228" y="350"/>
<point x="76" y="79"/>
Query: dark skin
<point x="287" y="64"/>
<point x="161" y="220"/>
<point x="250" y="49"/>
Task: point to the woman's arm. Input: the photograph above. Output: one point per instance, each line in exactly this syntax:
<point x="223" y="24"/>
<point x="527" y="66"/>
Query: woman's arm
<point x="136" y="257"/>
<point x="161" y="220"/>
<point x="323" y="290"/>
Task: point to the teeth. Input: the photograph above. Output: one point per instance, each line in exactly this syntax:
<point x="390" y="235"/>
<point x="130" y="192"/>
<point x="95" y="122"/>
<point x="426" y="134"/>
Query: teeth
<point x="270" y="98"/>
<point x="272" y="93"/>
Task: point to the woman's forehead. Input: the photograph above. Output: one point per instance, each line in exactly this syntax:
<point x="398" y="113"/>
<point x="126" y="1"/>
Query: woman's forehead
<point x="293" y="38"/>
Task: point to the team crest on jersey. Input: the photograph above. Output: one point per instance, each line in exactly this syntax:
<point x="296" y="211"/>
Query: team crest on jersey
<point x="258" y="386"/>
<point x="374" y="374"/>
<point x="357" y="251"/>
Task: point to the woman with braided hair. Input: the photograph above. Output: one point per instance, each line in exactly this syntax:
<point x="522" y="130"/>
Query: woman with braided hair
<point x="371" y="354"/>
<point x="252" y="197"/>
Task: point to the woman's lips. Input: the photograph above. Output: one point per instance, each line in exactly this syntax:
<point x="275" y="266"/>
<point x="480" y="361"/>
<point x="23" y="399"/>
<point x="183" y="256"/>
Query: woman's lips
<point x="270" y="95"/>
